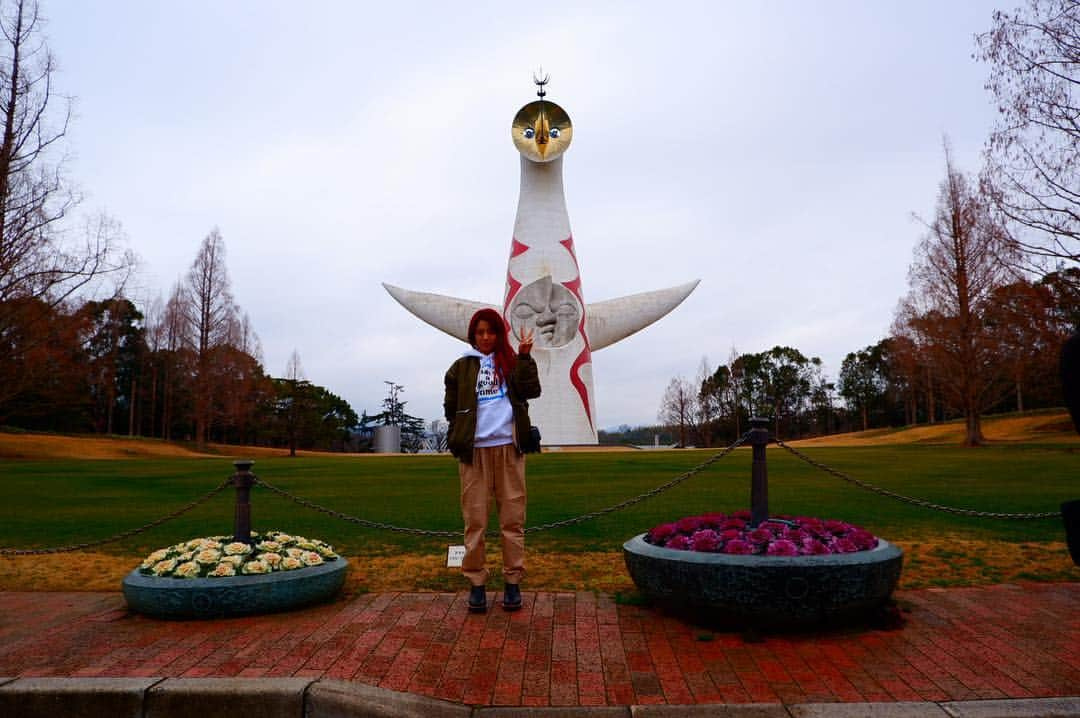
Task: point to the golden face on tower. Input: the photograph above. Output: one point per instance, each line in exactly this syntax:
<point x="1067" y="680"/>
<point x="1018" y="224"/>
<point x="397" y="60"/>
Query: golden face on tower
<point x="542" y="131"/>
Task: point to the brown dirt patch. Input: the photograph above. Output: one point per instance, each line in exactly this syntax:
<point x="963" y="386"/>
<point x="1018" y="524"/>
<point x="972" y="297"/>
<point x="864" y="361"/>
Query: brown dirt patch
<point x="48" y="446"/>
<point x="940" y="562"/>
<point x="1037" y="428"/>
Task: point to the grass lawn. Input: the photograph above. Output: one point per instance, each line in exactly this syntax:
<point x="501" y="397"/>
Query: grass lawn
<point x="49" y="503"/>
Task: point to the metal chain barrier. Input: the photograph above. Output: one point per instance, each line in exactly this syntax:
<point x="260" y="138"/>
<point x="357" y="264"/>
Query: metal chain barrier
<point x="120" y="536"/>
<point x="349" y="518"/>
<point x="648" y="494"/>
<point x="382" y="526"/>
<point x="908" y="499"/>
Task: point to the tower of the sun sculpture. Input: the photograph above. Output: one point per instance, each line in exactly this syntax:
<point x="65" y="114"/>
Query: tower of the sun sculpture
<point x="543" y="286"/>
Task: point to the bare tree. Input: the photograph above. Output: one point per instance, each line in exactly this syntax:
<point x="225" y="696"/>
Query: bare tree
<point x="38" y="260"/>
<point x="678" y="407"/>
<point x="295" y="400"/>
<point x="211" y="316"/>
<point x="706" y="407"/>
<point x="176" y="338"/>
<point x="1033" y="154"/>
<point x="958" y="266"/>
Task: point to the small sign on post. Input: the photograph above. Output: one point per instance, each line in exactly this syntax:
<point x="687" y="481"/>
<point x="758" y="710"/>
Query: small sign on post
<point x="454" y="556"/>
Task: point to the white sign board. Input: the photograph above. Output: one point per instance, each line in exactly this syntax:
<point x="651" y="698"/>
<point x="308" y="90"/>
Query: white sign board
<point x="454" y="556"/>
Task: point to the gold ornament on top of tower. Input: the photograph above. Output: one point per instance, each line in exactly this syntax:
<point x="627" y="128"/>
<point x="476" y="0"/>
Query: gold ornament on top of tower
<point x="541" y="130"/>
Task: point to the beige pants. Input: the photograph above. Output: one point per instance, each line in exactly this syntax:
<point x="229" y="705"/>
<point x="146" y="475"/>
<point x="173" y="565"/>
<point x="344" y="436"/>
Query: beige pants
<point x="499" y="472"/>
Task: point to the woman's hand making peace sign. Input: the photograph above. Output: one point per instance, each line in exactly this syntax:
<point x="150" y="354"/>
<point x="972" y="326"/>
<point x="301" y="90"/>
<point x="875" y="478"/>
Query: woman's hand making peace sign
<point x="526" y="344"/>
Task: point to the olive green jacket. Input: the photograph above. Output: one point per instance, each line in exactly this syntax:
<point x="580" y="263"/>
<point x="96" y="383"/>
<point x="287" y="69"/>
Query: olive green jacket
<point x="459" y="402"/>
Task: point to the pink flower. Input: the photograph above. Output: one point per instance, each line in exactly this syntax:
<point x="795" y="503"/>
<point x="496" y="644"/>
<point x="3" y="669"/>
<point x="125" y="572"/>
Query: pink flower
<point x="731" y="534"/>
<point x="738" y="547"/>
<point x="689" y="525"/>
<point x="760" y="535"/>
<point x="843" y="545"/>
<point x="713" y="520"/>
<point x="678" y="542"/>
<point x="863" y="539"/>
<point x="659" y="533"/>
<point x="837" y="528"/>
<point x="705" y="540"/>
<point x="783" y="547"/>
<point x="795" y="535"/>
<point x="813" y="547"/>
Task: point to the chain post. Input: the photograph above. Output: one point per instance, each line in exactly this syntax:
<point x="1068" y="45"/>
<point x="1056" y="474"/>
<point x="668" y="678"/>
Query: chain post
<point x="759" y="473"/>
<point x="243" y="480"/>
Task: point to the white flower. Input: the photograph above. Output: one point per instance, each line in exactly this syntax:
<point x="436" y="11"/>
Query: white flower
<point x="159" y="555"/>
<point x="195" y="544"/>
<point x="256" y="567"/>
<point x="289" y="563"/>
<point x="305" y="544"/>
<point x="223" y="569"/>
<point x="283" y="538"/>
<point x="234" y="561"/>
<point x="237" y="548"/>
<point x="268" y="546"/>
<point x="188" y="570"/>
<point x="294" y="552"/>
<point x="163" y="567"/>
<point x="208" y="556"/>
<point x="273" y="560"/>
<point x="310" y="558"/>
<point x="186" y="556"/>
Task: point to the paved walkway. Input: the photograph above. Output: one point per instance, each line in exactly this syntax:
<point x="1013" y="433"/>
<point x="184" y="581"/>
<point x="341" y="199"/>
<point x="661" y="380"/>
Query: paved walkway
<point x="572" y="649"/>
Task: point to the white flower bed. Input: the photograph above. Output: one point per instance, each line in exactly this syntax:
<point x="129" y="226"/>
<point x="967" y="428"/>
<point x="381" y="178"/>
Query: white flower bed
<point x="217" y="556"/>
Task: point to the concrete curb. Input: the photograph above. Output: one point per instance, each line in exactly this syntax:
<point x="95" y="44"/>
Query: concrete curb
<point x="906" y="709"/>
<point x="75" y="697"/>
<point x="1021" y="708"/>
<point x="311" y="698"/>
<point x="741" y="710"/>
<point x="226" y="698"/>
<point x="342" y="699"/>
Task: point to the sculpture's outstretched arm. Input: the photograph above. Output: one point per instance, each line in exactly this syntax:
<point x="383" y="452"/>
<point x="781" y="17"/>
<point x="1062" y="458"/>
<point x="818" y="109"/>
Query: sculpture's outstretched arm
<point x="449" y="314"/>
<point x="615" y="319"/>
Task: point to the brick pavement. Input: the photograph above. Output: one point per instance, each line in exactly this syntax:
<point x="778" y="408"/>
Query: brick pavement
<point x="997" y="642"/>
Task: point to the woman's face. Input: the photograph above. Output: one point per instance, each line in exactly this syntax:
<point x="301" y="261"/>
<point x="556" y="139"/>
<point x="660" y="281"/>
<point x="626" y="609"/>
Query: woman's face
<point x="485" y="336"/>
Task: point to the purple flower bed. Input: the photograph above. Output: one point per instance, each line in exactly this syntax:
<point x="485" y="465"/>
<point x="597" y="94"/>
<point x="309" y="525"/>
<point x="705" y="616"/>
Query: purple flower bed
<point x="779" y="536"/>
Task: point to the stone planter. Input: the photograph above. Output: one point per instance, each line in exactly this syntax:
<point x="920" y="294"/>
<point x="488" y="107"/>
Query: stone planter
<point x="233" y="595"/>
<point x="765" y="591"/>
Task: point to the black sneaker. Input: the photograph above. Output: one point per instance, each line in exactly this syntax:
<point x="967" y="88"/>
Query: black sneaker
<point x="478" y="599"/>
<point x="511" y="597"/>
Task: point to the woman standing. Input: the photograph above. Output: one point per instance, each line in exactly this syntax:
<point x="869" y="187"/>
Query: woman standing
<point x="486" y="405"/>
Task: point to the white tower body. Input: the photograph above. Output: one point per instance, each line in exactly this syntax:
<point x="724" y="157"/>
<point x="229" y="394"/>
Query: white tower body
<point x="543" y="293"/>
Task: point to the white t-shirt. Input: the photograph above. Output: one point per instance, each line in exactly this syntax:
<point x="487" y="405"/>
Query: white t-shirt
<point x="494" y="413"/>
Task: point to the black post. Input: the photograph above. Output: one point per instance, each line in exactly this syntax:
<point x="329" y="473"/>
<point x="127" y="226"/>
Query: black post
<point x="759" y="474"/>
<point x="243" y="480"/>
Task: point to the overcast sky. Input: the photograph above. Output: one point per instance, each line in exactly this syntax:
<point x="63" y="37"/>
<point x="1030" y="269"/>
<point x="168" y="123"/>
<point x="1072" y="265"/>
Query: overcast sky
<point x="775" y="150"/>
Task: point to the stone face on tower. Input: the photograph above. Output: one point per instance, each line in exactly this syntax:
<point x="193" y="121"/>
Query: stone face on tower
<point x="544" y="288"/>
